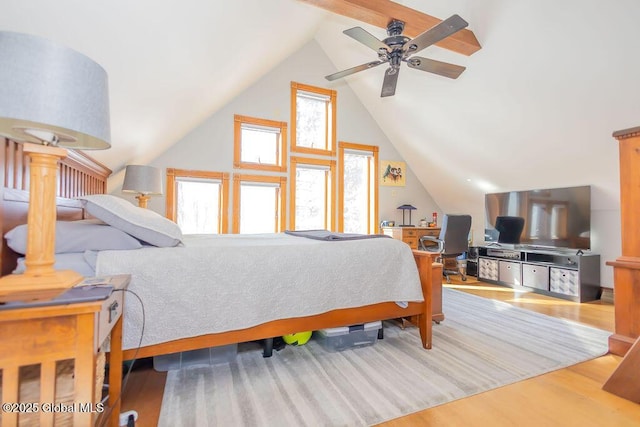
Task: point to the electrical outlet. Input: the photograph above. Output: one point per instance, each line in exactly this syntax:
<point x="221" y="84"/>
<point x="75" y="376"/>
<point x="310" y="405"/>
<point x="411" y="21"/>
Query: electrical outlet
<point x="124" y="417"/>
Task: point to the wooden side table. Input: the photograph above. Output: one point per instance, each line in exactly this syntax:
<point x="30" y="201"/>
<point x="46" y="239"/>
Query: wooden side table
<point x="67" y="327"/>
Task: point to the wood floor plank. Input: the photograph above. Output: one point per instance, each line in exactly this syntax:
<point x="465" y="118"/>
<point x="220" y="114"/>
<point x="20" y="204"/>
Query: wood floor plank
<point x="567" y="397"/>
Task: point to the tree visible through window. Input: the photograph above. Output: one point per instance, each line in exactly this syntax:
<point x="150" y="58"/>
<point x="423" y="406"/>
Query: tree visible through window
<point x="313" y="118"/>
<point x="358" y="188"/>
<point x="259" y="144"/>
<point x="198" y="206"/>
<point x="258" y="204"/>
<point x="312" y="194"/>
<point x="197" y="200"/>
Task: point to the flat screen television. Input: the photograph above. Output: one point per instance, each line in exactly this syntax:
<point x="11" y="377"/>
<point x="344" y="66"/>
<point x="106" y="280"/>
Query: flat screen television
<point x="553" y="218"/>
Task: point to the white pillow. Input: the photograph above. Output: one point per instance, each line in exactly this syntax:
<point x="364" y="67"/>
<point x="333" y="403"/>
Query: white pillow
<point x="77" y="236"/>
<point x="144" y="224"/>
<point x="79" y="262"/>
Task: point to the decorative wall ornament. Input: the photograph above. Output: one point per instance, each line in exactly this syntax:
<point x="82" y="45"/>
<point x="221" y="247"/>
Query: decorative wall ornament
<point x="392" y="173"/>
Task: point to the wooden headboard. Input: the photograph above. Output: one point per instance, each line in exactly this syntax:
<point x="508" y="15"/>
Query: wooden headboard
<point x="78" y="175"/>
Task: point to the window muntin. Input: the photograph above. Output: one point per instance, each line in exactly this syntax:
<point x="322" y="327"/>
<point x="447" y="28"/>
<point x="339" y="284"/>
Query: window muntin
<point x="312" y="194"/>
<point x="313" y="118"/>
<point x="259" y="144"/>
<point x="198" y="200"/>
<point x="358" y="188"/>
<point x="258" y="204"/>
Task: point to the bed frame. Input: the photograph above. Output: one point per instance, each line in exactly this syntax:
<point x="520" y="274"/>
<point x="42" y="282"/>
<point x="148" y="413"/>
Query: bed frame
<point x="80" y="175"/>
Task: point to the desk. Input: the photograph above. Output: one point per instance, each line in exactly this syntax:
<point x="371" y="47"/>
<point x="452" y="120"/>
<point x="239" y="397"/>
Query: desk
<point x="411" y="235"/>
<point x="33" y="334"/>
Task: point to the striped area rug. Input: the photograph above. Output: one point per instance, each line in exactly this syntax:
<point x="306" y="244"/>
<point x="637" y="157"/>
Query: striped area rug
<point x="482" y="344"/>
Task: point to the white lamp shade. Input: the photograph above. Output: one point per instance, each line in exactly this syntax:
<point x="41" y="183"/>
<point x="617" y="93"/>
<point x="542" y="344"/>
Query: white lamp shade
<point x="143" y="180"/>
<point x="48" y="88"/>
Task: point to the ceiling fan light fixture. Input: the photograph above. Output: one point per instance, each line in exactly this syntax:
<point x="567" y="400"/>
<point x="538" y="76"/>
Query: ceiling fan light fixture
<point x="397" y="48"/>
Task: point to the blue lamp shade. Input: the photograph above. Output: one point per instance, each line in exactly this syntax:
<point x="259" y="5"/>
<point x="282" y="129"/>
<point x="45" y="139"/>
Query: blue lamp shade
<point x="407" y="207"/>
<point x="404" y="209"/>
<point x="52" y="94"/>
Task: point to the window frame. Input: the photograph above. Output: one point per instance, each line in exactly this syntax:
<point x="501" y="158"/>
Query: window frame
<point x="329" y="187"/>
<point x="330" y="126"/>
<point x="171" y="210"/>
<point x="281" y="154"/>
<point x="238" y="179"/>
<point x="372" y="218"/>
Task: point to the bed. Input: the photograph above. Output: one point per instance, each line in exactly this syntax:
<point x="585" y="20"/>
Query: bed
<point x="80" y="176"/>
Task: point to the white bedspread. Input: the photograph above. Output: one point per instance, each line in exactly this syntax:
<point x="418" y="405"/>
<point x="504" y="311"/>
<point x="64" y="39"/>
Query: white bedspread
<point x="228" y="282"/>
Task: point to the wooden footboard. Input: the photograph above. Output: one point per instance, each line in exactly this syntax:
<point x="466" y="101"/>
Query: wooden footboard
<point x="421" y="313"/>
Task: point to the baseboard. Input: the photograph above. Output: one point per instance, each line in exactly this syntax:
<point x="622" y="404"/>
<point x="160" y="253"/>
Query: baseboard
<point x="607" y="295"/>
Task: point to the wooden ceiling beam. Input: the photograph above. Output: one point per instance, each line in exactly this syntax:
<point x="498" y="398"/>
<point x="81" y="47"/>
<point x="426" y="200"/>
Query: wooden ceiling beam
<point x="380" y="12"/>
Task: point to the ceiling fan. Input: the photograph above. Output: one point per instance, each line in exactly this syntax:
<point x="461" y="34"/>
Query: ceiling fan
<point x="397" y="48"/>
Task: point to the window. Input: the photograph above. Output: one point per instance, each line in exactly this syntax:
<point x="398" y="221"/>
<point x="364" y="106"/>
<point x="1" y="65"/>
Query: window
<point x="258" y="204"/>
<point x="313" y="118"/>
<point x="312" y="194"/>
<point x="358" y="188"/>
<point x="197" y="200"/>
<point x="259" y="144"/>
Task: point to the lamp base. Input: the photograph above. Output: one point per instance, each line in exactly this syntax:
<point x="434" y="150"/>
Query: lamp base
<point x="29" y="287"/>
<point x="142" y="200"/>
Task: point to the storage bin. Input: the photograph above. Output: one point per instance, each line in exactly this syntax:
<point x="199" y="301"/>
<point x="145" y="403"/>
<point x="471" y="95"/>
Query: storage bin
<point x="342" y="338"/>
<point x="201" y="356"/>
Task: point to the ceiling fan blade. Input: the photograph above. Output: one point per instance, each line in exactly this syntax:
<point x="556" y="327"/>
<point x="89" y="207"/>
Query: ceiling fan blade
<point x="432" y="66"/>
<point x="433" y="35"/>
<point x="390" y="82"/>
<point x="350" y="71"/>
<point x="366" y="38"/>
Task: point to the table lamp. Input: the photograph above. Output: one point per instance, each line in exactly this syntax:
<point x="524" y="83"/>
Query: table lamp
<point x="406" y="208"/>
<point x="50" y="97"/>
<point x="144" y="180"/>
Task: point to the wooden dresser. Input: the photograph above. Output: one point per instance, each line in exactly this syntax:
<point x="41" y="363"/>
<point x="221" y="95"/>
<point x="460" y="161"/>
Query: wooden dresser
<point x="410" y="235"/>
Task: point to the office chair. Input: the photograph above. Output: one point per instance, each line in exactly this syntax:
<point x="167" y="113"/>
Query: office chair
<point x="452" y="242"/>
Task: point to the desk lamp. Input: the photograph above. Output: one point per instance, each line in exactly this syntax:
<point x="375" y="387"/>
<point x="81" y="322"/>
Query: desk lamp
<point x="406" y="208"/>
<point x="50" y="97"/>
<point x="144" y="180"/>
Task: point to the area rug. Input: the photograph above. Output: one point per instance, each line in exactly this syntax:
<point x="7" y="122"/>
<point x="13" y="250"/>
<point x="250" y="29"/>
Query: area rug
<point x="482" y="344"/>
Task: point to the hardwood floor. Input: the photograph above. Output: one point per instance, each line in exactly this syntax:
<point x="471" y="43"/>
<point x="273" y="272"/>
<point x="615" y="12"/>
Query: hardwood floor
<point x="568" y="397"/>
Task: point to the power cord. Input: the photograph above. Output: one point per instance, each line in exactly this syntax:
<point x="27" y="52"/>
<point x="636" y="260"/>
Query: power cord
<point x="130" y="417"/>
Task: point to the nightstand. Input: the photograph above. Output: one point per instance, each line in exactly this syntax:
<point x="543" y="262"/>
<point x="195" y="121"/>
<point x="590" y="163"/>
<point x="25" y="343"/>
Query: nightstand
<point x="74" y="325"/>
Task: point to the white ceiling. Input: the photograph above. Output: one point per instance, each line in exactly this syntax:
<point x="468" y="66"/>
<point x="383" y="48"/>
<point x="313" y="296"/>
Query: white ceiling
<point x="535" y="107"/>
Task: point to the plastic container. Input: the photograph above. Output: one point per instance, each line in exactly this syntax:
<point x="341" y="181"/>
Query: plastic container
<point x="202" y="356"/>
<point x="342" y="338"/>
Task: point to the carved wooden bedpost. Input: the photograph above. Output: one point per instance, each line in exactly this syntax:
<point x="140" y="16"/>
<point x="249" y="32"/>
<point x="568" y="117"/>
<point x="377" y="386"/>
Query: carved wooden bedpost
<point x="626" y="268"/>
<point x="625" y="380"/>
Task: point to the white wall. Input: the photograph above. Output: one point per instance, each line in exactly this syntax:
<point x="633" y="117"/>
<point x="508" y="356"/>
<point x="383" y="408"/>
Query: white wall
<point x="535" y="108"/>
<point x="210" y="145"/>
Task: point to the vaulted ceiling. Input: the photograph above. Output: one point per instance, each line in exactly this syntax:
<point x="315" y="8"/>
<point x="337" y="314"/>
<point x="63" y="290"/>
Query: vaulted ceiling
<point x="535" y="107"/>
